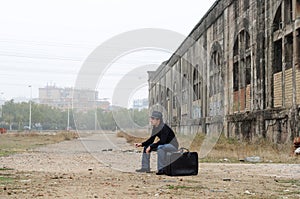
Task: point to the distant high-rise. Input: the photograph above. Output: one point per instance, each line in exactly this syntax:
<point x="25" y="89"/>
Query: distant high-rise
<point x="65" y="98"/>
<point x="140" y="104"/>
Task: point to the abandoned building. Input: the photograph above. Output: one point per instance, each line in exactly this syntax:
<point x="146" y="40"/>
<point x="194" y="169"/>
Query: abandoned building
<point x="237" y="71"/>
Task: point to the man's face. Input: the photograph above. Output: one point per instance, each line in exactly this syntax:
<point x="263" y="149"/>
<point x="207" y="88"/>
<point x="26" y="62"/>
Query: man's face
<point x="154" y="121"/>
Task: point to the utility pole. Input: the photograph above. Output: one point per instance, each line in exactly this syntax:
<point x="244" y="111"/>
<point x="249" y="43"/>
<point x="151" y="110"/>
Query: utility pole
<point x="2" y="103"/>
<point x="96" y="117"/>
<point x="68" y="123"/>
<point x="29" y="126"/>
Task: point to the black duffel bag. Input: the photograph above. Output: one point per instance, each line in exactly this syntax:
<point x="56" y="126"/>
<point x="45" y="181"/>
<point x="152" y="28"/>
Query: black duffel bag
<point x="181" y="163"/>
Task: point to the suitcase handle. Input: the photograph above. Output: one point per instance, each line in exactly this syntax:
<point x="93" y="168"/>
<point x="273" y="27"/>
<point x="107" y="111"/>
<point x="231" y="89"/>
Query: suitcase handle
<point x="181" y="150"/>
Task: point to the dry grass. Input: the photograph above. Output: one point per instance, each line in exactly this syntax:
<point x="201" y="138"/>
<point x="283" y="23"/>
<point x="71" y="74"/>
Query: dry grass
<point x="130" y="138"/>
<point x="225" y="150"/>
<point x="20" y="142"/>
<point x="232" y="150"/>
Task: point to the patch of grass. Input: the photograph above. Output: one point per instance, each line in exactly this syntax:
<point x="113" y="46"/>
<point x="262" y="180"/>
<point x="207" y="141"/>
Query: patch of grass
<point x="289" y="181"/>
<point x="288" y="187"/>
<point x="6" y="169"/>
<point x="66" y="135"/>
<point x="20" y="142"/>
<point x="5" y="153"/>
<point x="130" y="138"/>
<point x="291" y="193"/>
<point x="231" y="150"/>
<point x="193" y="181"/>
<point x="5" y="178"/>
<point x="177" y="187"/>
<point x="197" y="141"/>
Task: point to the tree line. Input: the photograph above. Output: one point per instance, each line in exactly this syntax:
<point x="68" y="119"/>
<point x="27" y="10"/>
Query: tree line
<point x="15" y="116"/>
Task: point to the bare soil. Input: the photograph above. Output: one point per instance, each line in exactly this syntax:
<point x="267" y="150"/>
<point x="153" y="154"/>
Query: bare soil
<point x="103" y="166"/>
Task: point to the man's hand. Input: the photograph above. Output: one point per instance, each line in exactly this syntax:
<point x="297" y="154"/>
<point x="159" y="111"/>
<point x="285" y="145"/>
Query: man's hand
<point x="138" y="144"/>
<point x="148" y="149"/>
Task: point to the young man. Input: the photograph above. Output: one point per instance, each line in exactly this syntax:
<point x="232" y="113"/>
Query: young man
<point x="167" y="143"/>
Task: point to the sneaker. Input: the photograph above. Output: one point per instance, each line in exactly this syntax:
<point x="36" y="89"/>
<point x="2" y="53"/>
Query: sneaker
<point x="143" y="170"/>
<point x="160" y="172"/>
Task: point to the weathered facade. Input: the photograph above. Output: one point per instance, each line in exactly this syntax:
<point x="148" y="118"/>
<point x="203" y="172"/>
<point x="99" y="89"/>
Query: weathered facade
<point x="238" y="70"/>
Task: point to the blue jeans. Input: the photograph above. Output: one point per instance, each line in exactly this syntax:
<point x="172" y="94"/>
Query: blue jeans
<point x="161" y="156"/>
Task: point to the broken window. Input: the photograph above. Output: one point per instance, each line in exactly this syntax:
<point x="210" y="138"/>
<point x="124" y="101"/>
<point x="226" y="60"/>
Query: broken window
<point x="196" y="85"/>
<point x="298" y="45"/>
<point x="248" y="70"/>
<point x="297" y="9"/>
<point x="288" y="51"/>
<point x="215" y="72"/>
<point x="236" y="49"/>
<point x="277" y="23"/>
<point x="174" y="95"/>
<point x="247" y="41"/>
<point x="277" y="67"/>
<point x="242" y="71"/>
<point x="242" y="61"/>
<point x="288" y="11"/>
<point x="184" y="81"/>
<point x="284" y="53"/>
<point x="184" y="89"/>
<point x="236" y="77"/>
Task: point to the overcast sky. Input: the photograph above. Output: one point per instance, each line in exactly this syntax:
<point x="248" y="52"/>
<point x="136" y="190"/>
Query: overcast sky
<point x="46" y="41"/>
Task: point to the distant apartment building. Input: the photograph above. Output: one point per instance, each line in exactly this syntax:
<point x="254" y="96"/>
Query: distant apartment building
<point x="64" y="98"/>
<point x="140" y="104"/>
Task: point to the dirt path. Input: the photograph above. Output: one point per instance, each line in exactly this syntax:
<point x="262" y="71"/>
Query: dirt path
<point x="102" y="166"/>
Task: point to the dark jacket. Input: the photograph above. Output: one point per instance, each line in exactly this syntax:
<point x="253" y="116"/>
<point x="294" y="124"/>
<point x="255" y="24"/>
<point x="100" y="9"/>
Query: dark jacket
<point x="165" y="135"/>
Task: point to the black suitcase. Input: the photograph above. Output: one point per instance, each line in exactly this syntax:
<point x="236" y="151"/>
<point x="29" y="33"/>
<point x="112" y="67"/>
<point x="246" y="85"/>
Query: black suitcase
<point x="181" y="163"/>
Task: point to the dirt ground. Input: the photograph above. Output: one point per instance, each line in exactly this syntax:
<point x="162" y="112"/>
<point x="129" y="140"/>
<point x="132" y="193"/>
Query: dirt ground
<point x="102" y="166"/>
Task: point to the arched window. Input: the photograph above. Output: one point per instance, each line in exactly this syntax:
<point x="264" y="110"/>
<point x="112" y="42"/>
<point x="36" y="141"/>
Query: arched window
<point x="216" y="87"/>
<point x="297" y="14"/>
<point x="196" y="84"/>
<point x="277" y="23"/>
<point x="168" y="94"/>
<point x="162" y="98"/>
<point x="284" y="53"/>
<point x="184" y="81"/>
<point x="184" y="89"/>
<point x="215" y="73"/>
<point x="174" y="95"/>
<point x="242" y="71"/>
